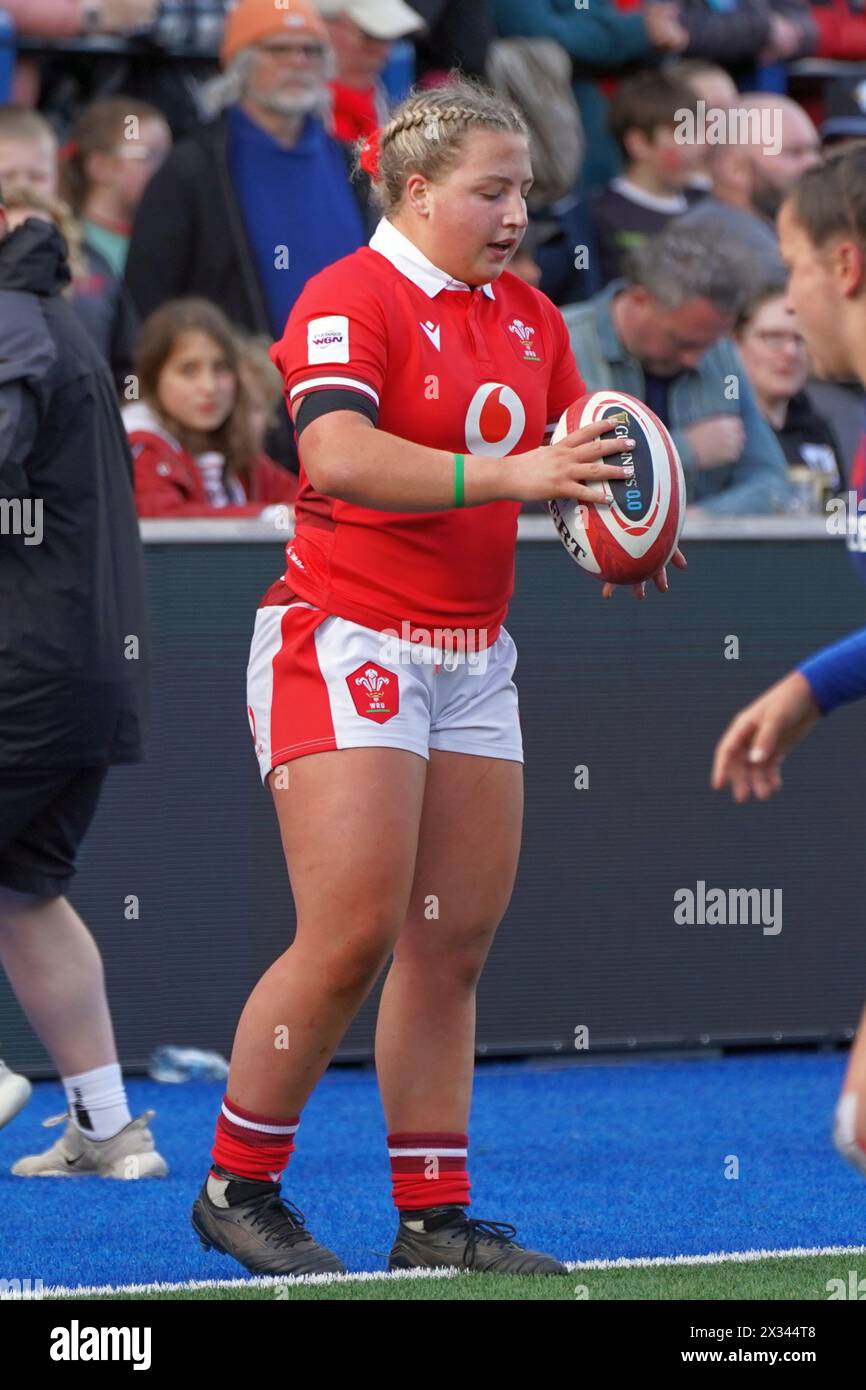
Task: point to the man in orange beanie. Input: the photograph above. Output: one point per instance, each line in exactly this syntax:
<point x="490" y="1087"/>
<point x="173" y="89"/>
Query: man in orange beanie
<point x="276" y="53"/>
<point x="250" y="21"/>
<point x="255" y="203"/>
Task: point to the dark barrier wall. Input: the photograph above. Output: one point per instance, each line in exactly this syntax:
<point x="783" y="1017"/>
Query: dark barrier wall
<point x="635" y="693"/>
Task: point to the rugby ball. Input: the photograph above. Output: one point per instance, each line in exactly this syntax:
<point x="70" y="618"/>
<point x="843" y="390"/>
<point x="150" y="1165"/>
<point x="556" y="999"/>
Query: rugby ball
<point x="636" y="535"/>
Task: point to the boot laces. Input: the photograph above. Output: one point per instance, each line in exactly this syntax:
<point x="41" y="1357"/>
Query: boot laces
<point x="270" y="1213"/>
<point x="476" y="1228"/>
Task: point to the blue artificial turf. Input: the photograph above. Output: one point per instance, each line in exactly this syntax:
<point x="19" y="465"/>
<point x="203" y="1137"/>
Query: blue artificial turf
<point x="588" y="1161"/>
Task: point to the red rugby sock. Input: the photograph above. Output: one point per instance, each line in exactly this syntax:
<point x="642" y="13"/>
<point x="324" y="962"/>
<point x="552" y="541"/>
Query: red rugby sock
<point x="256" y="1147"/>
<point x="428" y="1169"/>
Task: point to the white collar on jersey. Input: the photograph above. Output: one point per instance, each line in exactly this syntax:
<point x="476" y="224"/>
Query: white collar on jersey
<point x="405" y="256"/>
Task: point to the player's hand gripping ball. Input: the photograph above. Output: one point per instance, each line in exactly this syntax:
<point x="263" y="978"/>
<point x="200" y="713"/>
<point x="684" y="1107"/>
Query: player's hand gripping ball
<point x="635" y="536"/>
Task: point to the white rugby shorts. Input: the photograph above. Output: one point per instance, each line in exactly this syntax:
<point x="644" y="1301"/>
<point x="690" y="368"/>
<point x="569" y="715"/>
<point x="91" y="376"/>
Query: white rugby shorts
<point x="316" y="682"/>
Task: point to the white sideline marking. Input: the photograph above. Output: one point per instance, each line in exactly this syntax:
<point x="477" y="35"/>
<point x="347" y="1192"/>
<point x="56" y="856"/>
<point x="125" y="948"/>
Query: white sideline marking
<point x="723" y="1257"/>
<point x="257" y="1281"/>
<point x="273" y="1281"/>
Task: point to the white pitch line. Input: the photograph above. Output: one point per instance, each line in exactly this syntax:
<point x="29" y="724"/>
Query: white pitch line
<point x="273" y="1281"/>
<point x="262" y="1281"/>
<point x="722" y="1257"/>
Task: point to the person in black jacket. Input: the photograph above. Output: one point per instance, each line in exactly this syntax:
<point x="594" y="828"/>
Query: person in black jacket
<point x="459" y="33"/>
<point x="742" y="33"/>
<point x="74" y="651"/>
<point x="28" y="159"/>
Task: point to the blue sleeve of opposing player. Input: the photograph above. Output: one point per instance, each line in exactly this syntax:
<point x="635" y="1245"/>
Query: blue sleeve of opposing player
<point x="837" y="674"/>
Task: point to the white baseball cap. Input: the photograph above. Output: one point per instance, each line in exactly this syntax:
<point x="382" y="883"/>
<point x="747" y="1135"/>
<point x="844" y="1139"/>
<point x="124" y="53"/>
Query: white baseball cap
<point x="382" y="19"/>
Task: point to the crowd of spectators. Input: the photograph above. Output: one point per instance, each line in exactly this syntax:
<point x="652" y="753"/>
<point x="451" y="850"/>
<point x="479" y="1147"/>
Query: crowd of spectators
<point x="200" y="162"/>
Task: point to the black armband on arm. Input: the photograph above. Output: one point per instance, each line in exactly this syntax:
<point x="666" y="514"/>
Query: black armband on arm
<point x="317" y="403"/>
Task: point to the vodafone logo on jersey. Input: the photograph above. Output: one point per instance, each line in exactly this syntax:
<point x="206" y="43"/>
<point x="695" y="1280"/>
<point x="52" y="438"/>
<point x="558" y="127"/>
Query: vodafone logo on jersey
<point x="495" y="420"/>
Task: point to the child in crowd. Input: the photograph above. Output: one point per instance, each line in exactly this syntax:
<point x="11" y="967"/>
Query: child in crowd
<point x="28" y="149"/>
<point x="114" y="149"/>
<point x="28" y="156"/>
<point x="646" y="114"/>
<point x="716" y="88"/>
<point x="196" y="432"/>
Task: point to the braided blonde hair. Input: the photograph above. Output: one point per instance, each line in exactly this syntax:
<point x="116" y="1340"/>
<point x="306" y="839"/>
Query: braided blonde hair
<point x="425" y="134"/>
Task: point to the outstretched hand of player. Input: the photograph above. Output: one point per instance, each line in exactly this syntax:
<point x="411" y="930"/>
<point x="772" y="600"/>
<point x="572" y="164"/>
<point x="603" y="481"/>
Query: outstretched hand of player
<point x="660" y="579"/>
<point x="751" y="750"/>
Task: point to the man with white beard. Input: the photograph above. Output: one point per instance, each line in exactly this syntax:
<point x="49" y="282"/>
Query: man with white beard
<point x="261" y="199"/>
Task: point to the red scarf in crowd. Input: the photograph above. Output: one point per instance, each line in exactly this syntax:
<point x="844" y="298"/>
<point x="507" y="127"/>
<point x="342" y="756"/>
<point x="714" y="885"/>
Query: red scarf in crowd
<point x="355" y="112"/>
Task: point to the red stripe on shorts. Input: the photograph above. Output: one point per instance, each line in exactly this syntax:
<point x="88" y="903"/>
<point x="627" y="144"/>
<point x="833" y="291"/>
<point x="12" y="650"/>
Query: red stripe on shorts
<point x="300" y="707"/>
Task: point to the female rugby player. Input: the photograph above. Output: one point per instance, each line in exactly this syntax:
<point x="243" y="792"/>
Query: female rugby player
<point x="423" y="379"/>
<point x="822" y="236"/>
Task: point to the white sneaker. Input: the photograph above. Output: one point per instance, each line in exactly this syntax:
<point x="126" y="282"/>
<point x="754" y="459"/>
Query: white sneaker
<point x="15" y="1092"/>
<point x="130" y="1153"/>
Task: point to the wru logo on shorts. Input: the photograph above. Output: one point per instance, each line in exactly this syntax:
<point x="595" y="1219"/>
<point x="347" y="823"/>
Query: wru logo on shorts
<point x="375" y="692"/>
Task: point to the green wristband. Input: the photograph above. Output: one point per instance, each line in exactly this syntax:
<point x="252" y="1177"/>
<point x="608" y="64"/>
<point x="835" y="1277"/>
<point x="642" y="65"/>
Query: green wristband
<point x="459" y="460"/>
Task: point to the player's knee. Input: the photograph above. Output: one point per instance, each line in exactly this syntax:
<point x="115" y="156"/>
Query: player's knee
<point x="353" y="966"/>
<point x="463" y="967"/>
<point x="850" y="1144"/>
<point x="460" y="972"/>
<point x="353" y="971"/>
<point x="456" y="962"/>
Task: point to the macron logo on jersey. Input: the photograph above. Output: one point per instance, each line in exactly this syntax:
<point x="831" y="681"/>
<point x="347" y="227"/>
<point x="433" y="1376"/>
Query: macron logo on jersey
<point x="328" y="339"/>
<point x="432" y="331"/>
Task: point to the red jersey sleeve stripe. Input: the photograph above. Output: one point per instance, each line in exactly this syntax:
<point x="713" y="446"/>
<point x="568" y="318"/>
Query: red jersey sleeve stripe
<point x="324" y="383"/>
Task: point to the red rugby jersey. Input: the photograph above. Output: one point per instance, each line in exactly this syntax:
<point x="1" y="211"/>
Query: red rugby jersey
<point x="475" y="371"/>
